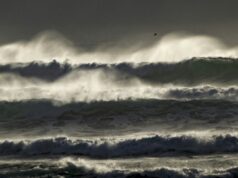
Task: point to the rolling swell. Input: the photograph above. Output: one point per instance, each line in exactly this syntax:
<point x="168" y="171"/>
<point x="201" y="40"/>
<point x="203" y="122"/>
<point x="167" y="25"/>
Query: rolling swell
<point x="148" y="146"/>
<point x="188" y="72"/>
<point x="31" y="118"/>
<point x="33" y="109"/>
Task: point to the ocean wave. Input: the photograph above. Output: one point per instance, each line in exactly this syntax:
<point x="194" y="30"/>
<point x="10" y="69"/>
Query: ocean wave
<point x="188" y="72"/>
<point x="169" y="48"/>
<point x="159" y="173"/>
<point x="106" y="109"/>
<point x="73" y="170"/>
<point x="212" y="78"/>
<point x="205" y="92"/>
<point x="148" y="146"/>
<point x="101" y="86"/>
<point x="116" y="117"/>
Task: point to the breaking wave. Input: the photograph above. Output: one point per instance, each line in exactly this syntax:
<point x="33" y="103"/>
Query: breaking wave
<point x="195" y="71"/>
<point x="148" y="146"/>
<point x="171" y="47"/>
<point x="214" y="78"/>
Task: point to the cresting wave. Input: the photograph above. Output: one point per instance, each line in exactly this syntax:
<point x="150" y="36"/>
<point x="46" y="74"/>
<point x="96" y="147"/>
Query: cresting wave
<point x="192" y="79"/>
<point x="221" y="71"/>
<point x="148" y="146"/>
<point x="172" y="47"/>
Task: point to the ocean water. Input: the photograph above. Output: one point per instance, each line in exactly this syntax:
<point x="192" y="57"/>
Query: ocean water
<point x="119" y="119"/>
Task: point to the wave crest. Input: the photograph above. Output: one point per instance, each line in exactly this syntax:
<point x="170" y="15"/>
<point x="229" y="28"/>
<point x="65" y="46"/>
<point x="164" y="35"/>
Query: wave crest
<point x="157" y="145"/>
<point x="188" y="72"/>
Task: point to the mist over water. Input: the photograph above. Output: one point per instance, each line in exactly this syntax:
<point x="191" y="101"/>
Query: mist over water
<point x="169" y="48"/>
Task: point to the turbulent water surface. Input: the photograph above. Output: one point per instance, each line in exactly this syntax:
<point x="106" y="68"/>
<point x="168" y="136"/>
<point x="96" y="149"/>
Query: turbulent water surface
<point x="119" y="119"/>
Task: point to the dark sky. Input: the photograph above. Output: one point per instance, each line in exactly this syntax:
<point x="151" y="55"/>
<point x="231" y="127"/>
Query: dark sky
<point x="94" y="22"/>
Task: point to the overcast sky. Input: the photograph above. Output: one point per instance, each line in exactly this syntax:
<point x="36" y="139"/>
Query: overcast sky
<point x="94" y="22"/>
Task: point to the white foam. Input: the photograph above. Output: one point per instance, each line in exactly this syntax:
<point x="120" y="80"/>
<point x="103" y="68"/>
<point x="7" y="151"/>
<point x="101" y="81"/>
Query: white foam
<point x="169" y="48"/>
